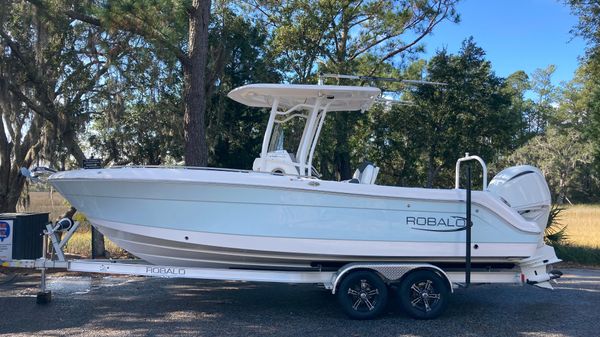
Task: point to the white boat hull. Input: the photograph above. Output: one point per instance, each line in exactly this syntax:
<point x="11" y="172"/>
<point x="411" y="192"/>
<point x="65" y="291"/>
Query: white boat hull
<point x="204" y="218"/>
<point x="222" y="250"/>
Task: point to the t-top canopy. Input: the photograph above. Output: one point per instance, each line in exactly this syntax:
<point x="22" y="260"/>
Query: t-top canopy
<point x="339" y="98"/>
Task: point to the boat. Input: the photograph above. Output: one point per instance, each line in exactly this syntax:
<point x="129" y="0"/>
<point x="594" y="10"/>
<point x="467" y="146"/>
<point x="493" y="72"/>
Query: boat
<point x="281" y="216"/>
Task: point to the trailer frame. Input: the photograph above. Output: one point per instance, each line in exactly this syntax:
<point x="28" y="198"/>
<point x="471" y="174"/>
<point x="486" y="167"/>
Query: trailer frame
<point x="392" y="274"/>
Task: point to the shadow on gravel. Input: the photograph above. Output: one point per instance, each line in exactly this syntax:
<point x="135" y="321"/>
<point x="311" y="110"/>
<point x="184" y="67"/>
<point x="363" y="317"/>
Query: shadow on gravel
<point x="163" y="307"/>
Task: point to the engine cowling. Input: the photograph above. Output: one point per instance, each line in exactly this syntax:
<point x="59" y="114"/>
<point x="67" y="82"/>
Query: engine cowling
<point x="524" y="188"/>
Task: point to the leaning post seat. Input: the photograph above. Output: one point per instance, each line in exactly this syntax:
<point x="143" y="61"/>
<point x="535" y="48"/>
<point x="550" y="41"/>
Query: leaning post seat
<point x="366" y="173"/>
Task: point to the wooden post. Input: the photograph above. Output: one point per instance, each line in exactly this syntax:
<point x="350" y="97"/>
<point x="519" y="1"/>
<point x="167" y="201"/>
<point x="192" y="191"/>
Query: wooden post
<point x="98" y="249"/>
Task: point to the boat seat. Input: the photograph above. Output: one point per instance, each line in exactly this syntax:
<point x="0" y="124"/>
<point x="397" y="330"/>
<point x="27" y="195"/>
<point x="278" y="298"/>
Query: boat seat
<point x="366" y="173"/>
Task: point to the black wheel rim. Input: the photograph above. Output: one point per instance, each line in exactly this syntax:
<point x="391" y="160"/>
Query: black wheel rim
<point x="424" y="296"/>
<point x="363" y="296"/>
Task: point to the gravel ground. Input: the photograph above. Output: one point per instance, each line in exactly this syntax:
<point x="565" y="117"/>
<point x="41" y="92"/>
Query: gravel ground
<point x="123" y="306"/>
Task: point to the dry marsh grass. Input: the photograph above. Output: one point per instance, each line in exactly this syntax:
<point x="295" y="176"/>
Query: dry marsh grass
<point x="583" y="235"/>
<point x="52" y="203"/>
<point x="583" y="225"/>
<point x="81" y="244"/>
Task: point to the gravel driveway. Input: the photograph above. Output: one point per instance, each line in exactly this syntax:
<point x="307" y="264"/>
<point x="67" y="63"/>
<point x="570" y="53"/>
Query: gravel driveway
<point x="122" y="306"/>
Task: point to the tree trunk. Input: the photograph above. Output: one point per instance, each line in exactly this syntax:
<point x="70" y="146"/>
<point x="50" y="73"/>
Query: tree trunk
<point x="431" y="171"/>
<point x="194" y="71"/>
<point x="8" y="201"/>
<point x="562" y="193"/>
<point x="70" y="141"/>
<point x="15" y="154"/>
<point x="343" y="166"/>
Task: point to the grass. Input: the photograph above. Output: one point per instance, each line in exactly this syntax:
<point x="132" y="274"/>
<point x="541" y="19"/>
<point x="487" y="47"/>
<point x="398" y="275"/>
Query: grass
<point x="583" y="225"/>
<point x="580" y="255"/>
<point x="583" y="235"/>
<point x="53" y="203"/>
<point x="582" y="221"/>
<point x="81" y="242"/>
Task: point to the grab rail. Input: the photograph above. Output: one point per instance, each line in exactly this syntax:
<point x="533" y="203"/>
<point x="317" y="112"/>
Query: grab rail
<point x="467" y="157"/>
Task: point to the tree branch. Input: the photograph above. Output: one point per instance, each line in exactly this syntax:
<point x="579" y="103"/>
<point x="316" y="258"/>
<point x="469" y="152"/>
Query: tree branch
<point x="31" y="70"/>
<point x="52" y="118"/>
<point x="139" y="27"/>
<point x="428" y="30"/>
<point x="135" y="26"/>
<point x="81" y="17"/>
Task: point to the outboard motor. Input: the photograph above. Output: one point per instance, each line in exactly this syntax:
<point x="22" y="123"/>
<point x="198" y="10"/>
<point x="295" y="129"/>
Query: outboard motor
<point x="524" y="189"/>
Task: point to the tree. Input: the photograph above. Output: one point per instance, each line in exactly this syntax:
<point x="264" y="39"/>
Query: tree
<point x="562" y="149"/>
<point x="470" y="114"/>
<point x="234" y="130"/>
<point x="516" y="86"/>
<point x="141" y="114"/>
<point x="21" y="138"/>
<point x="545" y="98"/>
<point x="418" y="142"/>
<point x="51" y="68"/>
<point x="142" y="123"/>
<point x="385" y="136"/>
<point x="588" y="27"/>
<point x="194" y="91"/>
<point x="339" y="34"/>
<point x="559" y="154"/>
<point x="48" y="77"/>
<point x="588" y="12"/>
<point x="161" y="24"/>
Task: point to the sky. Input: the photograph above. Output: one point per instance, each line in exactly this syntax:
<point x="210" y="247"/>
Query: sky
<point x="516" y="35"/>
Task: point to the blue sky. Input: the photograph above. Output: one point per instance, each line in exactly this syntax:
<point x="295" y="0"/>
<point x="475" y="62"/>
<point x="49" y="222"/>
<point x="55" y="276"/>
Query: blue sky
<point x="516" y="35"/>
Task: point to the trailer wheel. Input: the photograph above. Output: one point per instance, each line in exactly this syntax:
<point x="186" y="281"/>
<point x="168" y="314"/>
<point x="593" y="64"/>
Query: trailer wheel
<point x="423" y="294"/>
<point x="362" y="295"/>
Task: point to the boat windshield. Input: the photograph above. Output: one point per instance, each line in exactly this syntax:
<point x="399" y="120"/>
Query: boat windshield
<point x="286" y="136"/>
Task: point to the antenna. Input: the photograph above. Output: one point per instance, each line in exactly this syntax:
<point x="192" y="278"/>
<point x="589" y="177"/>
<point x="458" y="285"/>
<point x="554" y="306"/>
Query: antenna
<point x="417" y="82"/>
<point x="322" y="78"/>
<point x="394" y="101"/>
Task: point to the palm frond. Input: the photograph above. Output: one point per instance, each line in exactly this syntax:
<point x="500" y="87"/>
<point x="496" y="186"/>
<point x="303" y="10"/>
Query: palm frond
<point x="555" y="233"/>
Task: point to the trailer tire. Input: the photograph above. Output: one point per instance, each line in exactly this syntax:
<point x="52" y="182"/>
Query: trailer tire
<point x="423" y="294"/>
<point x="362" y="295"/>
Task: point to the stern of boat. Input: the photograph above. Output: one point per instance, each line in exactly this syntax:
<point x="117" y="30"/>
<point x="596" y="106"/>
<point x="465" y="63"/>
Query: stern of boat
<point x="524" y="189"/>
<point x="537" y="269"/>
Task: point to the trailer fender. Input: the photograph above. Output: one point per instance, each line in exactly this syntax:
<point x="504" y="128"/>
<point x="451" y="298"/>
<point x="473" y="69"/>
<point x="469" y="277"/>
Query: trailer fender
<point x="390" y="272"/>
